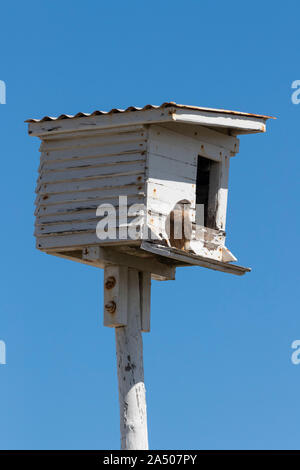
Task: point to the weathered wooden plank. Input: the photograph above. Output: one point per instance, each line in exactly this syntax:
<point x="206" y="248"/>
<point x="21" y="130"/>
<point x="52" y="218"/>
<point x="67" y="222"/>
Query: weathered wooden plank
<point x="125" y="168"/>
<point x="90" y="138"/>
<point x="130" y="190"/>
<point x="170" y="191"/>
<point x="73" y="216"/>
<point x="221" y="210"/>
<point x="91" y="133"/>
<point x="102" y="122"/>
<point x="65" y="208"/>
<point x="103" y="255"/>
<point x="66" y="165"/>
<point x="241" y="124"/>
<point x="80" y="225"/>
<point x="70" y="240"/>
<point x="67" y="241"/>
<point x="97" y="151"/>
<point x="138" y="263"/>
<point x="43" y="228"/>
<point x="116" y="182"/>
<point x="50" y="229"/>
<point x="171" y="144"/>
<point x="160" y="167"/>
<point x="188" y="259"/>
<point x="205" y="134"/>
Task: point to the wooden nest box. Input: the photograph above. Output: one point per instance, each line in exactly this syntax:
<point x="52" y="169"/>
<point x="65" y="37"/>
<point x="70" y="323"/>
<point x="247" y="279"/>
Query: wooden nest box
<point x="162" y="161"/>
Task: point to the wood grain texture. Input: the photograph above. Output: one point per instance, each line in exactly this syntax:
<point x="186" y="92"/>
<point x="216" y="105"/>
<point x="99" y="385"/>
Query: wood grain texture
<point x="130" y="367"/>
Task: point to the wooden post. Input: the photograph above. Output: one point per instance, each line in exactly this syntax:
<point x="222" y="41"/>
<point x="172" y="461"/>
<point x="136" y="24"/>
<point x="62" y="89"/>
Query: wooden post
<point x="132" y="394"/>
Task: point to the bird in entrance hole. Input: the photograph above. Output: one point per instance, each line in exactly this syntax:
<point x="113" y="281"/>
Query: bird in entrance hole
<point x="178" y="226"/>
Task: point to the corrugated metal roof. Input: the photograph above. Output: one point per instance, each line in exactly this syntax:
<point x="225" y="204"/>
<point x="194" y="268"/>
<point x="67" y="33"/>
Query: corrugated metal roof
<point x="170" y="104"/>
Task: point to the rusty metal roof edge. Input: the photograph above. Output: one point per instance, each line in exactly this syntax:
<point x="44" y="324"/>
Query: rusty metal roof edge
<point x="169" y="104"/>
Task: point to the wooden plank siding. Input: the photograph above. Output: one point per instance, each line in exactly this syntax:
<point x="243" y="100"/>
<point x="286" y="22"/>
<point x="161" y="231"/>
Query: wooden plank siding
<point x="77" y="174"/>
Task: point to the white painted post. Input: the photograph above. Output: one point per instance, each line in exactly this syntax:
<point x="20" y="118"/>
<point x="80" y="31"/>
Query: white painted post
<point x="132" y="393"/>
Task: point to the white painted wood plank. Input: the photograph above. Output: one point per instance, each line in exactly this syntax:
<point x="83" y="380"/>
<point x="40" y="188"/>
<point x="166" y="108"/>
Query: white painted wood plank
<point x="67" y="241"/>
<point x="221" y="209"/>
<point x="95" y="151"/>
<point x="98" y="133"/>
<point x="171" y="144"/>
<point x="170" y="191"/>
<point x="102" y="122"/>
<point x="130" y="190"/>
<point x="205" y="134"/>
<point x="72" y="240"/>
<point x="125" y="168"/>
<point x="100" y="183"/>
<point x="132" y="393"/>
<point x="90" y="139"/>
<point x="159" y="167"/>
<point x="68" y="227"/>
<point x="65" y="208"/>
<point x="242" y="124"/>
<point x="78" y="226"/>
<point x="66" y="165"/>
<point x="72" y="216"/>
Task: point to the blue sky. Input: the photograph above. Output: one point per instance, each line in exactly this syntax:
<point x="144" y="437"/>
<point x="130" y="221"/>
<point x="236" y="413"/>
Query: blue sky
<point x="218" y="367"/>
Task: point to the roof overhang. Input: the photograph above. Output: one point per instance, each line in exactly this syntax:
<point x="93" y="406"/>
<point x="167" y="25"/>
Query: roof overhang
<point x="237" y="122"/>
